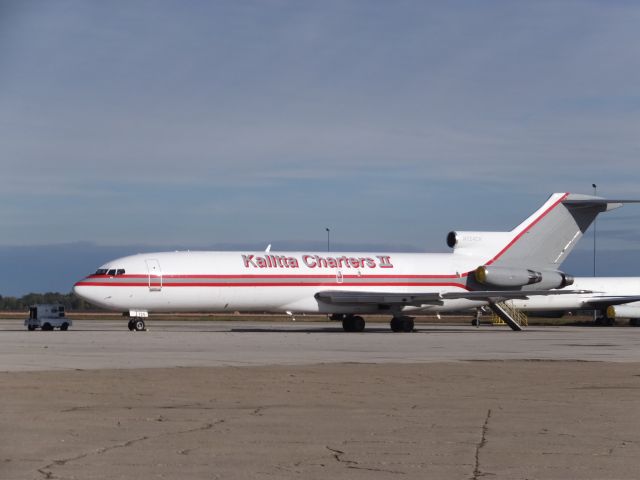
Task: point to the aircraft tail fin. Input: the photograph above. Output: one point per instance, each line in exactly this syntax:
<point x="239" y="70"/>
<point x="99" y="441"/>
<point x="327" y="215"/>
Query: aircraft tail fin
<point x="543" y="240"/>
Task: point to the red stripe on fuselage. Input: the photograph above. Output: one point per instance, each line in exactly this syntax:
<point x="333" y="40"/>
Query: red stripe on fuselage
<point x="145" y="276"/>
<point x="272" y="284"/>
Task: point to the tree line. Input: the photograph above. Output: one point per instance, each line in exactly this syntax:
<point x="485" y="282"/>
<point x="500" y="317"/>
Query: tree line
<point x="70" y="302"/>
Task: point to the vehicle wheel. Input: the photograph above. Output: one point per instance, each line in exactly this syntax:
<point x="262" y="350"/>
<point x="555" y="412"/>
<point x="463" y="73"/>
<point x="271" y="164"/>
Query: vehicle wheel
<point x="347" y="324"/>
<point x="599" y="321"/>
<point x="131" y="326"/>
<point x="47" y="327"/>
<point x="475" y="322"/>
<point x="358" y="324"/>
<point x="64" y="327"/>
<point x="396" y="324"/>
<point x="31" y="328"/>
<point x="138" y="325"/>
<point x="407" y="324"/>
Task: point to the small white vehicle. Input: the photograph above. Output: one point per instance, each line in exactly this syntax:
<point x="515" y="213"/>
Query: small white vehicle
<point x="47" y="317"/>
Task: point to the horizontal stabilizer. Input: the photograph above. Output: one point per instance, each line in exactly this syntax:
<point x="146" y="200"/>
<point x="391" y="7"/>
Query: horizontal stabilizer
<point x="597" y="201"/>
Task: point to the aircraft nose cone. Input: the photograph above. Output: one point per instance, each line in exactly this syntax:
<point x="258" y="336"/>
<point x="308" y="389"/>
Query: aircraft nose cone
<point x="80" y="290"/>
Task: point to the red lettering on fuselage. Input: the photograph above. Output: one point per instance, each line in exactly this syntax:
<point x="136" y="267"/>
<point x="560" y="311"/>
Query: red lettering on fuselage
<point x="385" y="261"/>
<point x="269" y="261"/>
<point x="248" y="260"/>
<point x="315" y="261"/>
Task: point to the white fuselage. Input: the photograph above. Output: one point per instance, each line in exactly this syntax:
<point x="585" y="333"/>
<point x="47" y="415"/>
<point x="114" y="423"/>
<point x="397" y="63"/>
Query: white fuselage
<point x="289" y="281"/>
<point x="270" y="281"/>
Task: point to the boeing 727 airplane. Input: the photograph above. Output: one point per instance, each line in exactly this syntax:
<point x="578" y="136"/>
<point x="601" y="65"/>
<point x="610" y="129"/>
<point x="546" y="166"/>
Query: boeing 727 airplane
<point x="484" y="268"/>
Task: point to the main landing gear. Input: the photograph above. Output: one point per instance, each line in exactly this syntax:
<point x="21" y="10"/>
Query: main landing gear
<point x="402" y="324"/>
<point x="355" y="323"/>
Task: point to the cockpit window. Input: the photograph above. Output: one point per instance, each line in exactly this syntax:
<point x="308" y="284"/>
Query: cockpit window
<point x="110" y="271"/>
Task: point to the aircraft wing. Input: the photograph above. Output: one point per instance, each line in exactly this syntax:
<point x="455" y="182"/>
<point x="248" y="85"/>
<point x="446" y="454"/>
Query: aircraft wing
<point x="434" y="298"/>
<point x="606" y="301"/>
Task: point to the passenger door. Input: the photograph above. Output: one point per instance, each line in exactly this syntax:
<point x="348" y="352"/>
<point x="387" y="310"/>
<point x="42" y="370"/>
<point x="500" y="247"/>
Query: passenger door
<point x="155" y="275"/>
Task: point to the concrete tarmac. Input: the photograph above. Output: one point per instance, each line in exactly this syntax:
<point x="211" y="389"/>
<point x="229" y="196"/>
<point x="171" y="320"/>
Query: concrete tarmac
<point x="203" y="400"/>
<point x="108" y="344"/>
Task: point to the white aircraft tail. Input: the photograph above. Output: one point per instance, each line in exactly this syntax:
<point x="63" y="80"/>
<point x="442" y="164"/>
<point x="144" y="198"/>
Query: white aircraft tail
<point x="542" y="241"/>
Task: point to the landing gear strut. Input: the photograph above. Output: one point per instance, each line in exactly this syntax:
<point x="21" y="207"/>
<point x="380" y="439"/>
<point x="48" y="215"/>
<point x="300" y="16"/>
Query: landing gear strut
<point x="476" y="320"/>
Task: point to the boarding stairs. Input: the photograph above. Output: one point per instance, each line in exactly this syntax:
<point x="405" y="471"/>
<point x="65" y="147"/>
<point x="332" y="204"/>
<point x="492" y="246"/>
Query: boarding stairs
<point x="504" y="313"/>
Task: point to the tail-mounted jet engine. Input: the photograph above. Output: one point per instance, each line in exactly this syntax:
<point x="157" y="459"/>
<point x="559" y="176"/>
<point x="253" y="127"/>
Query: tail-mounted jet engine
<point x="509" y="277"/>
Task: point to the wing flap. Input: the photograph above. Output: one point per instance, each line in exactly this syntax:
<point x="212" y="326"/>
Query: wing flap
<point x="350" y="297"/>
<point x="383" y="298"/>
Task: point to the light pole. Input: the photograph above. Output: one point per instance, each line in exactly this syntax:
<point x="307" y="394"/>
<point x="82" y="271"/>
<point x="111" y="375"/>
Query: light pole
<point x="595" y="193"/>
<point x="328" y="239"/>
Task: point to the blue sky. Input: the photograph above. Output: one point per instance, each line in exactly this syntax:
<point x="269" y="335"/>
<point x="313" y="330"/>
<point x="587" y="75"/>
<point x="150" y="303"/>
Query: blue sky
<point x="134" y="125"/>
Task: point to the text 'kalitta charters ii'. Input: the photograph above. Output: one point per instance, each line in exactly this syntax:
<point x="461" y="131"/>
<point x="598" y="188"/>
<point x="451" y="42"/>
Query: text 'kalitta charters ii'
<point x="315" y="261"/>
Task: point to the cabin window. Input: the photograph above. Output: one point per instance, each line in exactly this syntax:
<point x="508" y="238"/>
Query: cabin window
<point x="111" y="272"/>
<point x="101" y="271"/>
<point x="120" y="271"/>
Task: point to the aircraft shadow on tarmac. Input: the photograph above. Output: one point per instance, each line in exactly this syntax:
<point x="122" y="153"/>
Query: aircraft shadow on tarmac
<point x="369" y="330"/>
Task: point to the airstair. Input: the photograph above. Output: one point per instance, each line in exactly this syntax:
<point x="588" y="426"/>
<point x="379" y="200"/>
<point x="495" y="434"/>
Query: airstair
<point x="504" y="313"/>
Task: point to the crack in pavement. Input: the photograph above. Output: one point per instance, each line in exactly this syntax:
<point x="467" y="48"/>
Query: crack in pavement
<point x="258" y="411"/>
<point x="370" y="469"/>
<point x="337" y="454"/>
<point x="48" y="474"/>
<point x="477" y="473"/>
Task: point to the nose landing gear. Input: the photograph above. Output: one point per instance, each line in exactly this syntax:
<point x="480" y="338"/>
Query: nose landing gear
<point x="136" y="320"/>
<point x="137" y="325"/>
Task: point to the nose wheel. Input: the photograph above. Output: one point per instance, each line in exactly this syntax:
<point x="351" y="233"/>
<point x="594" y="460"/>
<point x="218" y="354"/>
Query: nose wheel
<point x="136" y="325"/>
